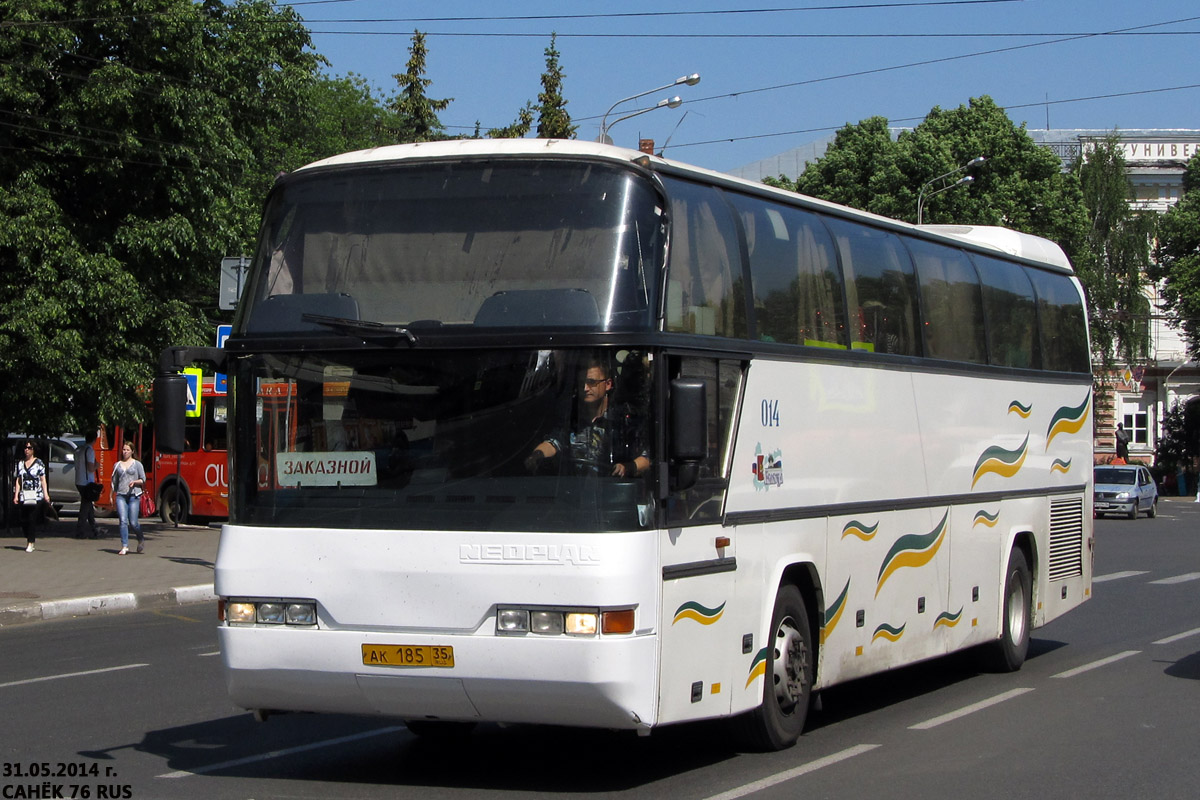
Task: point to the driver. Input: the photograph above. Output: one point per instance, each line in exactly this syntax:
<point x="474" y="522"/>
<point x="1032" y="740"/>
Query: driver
<point x="607" y="440"/>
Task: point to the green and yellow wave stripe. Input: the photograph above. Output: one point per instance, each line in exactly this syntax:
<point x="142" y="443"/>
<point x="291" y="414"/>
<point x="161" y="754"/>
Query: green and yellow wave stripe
<point x="859" y="529"/>
<point x="834" y="613"/>
<point x="912" y="550"/>
<point x="888" y="632"/>
<point x="1068" y="419"/>
<point x="984" y="518"/>
<point x="1022" y="411"/>
<point x="758" y="667"/>
<point x="1060" y="465"/>
<point x="699" y="613"/>
<point x="1001" y="461"/>
<point x="947" y="620"/>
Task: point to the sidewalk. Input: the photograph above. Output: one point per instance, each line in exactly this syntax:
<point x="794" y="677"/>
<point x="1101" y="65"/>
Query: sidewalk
<point x="68" y="577"/>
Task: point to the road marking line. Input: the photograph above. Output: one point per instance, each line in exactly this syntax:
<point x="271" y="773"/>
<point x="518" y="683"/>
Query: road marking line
<point x="1071" y="673"/>
<point x="1112" y="576"/>
<point x="213" y="653"/>
<point x="781" y="777"/>
<point x="1178" y="636"/>
<point x="971" y="709"/>
<point x="1191" y="576"/>
<point x="70" y="675"/>
<point x="183" y="773"/>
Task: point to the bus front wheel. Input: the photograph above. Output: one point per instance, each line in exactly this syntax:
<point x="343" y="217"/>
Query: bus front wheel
<point x="779" y="721"/>
<point x="1008" y="653"/>
<point x="173" y="505"/>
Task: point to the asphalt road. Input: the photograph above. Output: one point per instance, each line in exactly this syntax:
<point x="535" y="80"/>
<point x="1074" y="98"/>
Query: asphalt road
<point x="1108" y="706"/>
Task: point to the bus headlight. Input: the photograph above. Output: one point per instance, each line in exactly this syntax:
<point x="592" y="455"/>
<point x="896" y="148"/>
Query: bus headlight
<point x="564" y="621"/>
<point x="250" y="611"/>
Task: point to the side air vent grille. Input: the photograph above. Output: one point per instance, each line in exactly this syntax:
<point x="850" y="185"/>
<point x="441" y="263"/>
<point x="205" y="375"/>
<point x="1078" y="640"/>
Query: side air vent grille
<point x="1066" y="538"/>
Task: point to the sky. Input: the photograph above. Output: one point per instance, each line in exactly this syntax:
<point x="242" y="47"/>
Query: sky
<point x="777" y="74"/>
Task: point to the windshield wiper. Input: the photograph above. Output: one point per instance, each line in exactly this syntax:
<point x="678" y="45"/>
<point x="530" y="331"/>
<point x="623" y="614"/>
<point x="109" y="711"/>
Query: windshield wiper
<point x="364" y="328"/>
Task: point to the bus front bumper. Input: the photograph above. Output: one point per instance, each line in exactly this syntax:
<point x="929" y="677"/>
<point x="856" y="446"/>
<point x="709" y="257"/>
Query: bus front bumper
<point x="607" y="682"/>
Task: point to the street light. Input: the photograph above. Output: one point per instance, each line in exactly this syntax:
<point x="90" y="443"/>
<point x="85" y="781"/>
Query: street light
<point x="666" y="102"/>
<point x="675" y="102"/>
<point x="974" y="162"/>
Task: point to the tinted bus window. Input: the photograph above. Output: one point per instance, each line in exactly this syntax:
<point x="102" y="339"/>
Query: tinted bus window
<point x="880" y="289"/>
<point x="952" y="303"/>
<point x="1011" y="312"/>
<point x="1063" y="326"/>
<point x="797" y="286"/>
<point x="705" y="293"/>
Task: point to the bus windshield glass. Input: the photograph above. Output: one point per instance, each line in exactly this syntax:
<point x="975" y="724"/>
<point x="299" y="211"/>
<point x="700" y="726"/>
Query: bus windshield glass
<point x="523" y="440"/>
<point x="486" y="244"/>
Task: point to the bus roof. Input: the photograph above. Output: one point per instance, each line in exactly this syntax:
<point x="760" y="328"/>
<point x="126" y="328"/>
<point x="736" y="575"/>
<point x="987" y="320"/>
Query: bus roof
<point x="1025" y="246"/>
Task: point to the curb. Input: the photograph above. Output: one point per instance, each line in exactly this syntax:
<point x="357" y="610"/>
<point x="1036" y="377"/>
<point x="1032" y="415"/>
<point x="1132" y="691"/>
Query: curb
<point x="106" y="604"/>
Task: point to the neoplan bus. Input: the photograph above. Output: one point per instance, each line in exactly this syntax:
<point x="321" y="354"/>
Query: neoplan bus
<point x="850" y="443"/>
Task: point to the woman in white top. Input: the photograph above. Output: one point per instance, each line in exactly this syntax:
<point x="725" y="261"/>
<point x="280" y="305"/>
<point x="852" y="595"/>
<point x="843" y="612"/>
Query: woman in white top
<point x="128" y="478"/>
<point x="30" y="491"/>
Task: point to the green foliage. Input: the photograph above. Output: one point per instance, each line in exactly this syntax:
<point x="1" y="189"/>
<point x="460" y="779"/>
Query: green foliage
<point x="553" y="120"/>
<point x="518" y="129"/>
<point x="417" y="113"/>
<point x="139" y="137"/>
<point x="1178" y="257"/>
<point x="1116" y="256"/>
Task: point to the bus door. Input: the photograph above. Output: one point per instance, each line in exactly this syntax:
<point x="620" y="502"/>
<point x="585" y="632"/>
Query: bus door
<point x="701" y="630"/>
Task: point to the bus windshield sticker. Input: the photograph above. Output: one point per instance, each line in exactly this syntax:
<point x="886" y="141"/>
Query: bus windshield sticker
<point x="345" y="468"/>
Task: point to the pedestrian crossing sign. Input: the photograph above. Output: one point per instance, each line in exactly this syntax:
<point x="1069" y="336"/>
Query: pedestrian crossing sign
<point x="193" y="375"/>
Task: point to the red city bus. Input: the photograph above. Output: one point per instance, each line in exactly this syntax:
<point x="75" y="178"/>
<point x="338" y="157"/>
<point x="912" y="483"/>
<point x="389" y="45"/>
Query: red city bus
<point x="194" y="483"/>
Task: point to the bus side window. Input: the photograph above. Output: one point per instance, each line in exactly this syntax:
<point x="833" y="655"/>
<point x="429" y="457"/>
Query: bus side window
<point x="1010" y="310"/>
<point x="703" y="295"/>
<point x="952" y="303"/>
<point x="1063" y="327"/>
<point x="705" y="501"/>
<point x="881" y="287"/>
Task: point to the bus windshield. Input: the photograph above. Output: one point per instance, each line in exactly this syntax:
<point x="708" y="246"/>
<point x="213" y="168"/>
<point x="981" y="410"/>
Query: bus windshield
<point x="489" y="243"/>
<point x="525" y="440"/>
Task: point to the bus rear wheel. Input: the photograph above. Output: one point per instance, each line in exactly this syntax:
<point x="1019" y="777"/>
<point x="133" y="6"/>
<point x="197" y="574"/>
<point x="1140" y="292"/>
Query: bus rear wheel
<point x="1008" y="653"/>
<point x="173" y="506"/>
<point x="779" y="721"/>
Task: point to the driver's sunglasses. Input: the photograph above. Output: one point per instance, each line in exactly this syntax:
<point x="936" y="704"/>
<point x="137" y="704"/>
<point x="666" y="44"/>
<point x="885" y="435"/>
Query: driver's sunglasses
<point x="592" y="383"/>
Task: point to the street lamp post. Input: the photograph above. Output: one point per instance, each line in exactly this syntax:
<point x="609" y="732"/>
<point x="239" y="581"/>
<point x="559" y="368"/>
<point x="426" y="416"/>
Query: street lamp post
<point x="674" y="102"/>
<point x="921" y="194"/>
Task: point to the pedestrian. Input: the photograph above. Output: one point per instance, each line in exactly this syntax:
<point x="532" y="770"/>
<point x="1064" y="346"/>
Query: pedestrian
<point x="86" y="484"/>
<point x="30" y="491"/>
<point x="1122" y="442"/>
<point x="128" y="478"/>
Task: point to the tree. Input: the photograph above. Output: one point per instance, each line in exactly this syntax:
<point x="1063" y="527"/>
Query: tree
<point x="553" y="120"/>
<point x="518" y="129"/>
<point x="1020" y="186"/>
<point x="1115" y="258"/>
<point x="417" y="112"/>
<point x="139" y="137"/>
<point x="1178" y="257"/>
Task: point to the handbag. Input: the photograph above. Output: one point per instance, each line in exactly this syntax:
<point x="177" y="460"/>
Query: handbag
<point x="148" y="507"/>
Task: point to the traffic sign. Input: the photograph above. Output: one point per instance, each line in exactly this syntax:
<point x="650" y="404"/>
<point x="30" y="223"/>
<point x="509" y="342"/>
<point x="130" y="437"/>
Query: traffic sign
<point x="221" y="380"/>
<point x="194" y="377"/>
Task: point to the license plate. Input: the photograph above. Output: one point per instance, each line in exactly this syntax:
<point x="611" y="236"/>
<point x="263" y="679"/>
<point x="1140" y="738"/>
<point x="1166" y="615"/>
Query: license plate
<point x="407" y="655"/>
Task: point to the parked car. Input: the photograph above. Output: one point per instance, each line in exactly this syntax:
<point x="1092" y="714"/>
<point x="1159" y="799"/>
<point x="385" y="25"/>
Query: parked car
<point x="58" y="454"/>
<point x="1126" y="490"/>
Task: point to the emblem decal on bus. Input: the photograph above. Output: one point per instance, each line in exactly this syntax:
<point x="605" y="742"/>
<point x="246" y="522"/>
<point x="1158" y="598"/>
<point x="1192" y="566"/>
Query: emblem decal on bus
<point x="947" y="620"/>
<point x="860" y="529"/>
<point x="699" y="613"/>
<point x="834" y="613"/>
<point x="1021" y="410"/>
<point x="912" y="550"/>
<point x="1068" y="419"/>
<point x="982" y="517"/>
<point x="889" y="632"/>
<point x="1001" y="461"/>
<point x="767" y="468"/>
<point x="526" y="554"/>
<point x="758" y="667"/>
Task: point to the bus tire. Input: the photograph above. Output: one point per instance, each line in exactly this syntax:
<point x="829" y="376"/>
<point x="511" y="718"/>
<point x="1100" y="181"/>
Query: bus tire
<point x="1007" y="654"/>
<point x="787" y="682"/>
<point x="173" y="505"/>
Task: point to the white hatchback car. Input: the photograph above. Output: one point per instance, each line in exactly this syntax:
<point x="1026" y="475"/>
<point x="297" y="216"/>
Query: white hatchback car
<point x="1125" y="490"/>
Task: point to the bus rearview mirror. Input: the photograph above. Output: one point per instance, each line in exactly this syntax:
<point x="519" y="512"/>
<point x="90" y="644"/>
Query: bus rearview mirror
<point x="170" y="410"/>
<point x="689" y="429"/>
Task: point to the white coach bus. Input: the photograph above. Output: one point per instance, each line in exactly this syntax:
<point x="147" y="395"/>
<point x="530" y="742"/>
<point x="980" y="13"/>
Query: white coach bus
<point x="551" y="432"/>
